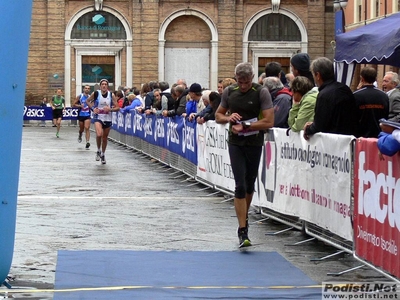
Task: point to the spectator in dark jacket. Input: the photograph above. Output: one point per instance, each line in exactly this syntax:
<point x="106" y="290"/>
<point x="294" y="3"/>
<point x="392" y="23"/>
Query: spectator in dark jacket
<point x="372" y="104"/>
<point x="150" y="100"/>
<point x="166" y="97"/>
<point x="215" y="100"/>
<point x="179" y="93"/>
<point x="281" y="99"/>
<point x="335" y="108"/>
<point x="208" y="109"/>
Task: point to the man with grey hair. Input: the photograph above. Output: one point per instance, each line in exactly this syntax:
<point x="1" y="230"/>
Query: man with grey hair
<point x="245" y="100"/>
<point x="182" y="81"/>
<point x="335" y="108"/>
<point x="389" y="85"/>
<point x="261" y="78"/>
<point x="281" y="99"/>
<point x="179" y="93"/>
<point x="207" y="109"/>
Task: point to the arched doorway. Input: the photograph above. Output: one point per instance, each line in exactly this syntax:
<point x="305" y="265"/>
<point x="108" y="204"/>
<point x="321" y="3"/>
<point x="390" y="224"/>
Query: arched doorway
<point x="193" y="61"/>
<point x="97" y="43"/>
<point x="273" y="37"/>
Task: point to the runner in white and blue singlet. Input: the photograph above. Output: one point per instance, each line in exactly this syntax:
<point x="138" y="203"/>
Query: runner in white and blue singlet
<point x="102" y="103"/>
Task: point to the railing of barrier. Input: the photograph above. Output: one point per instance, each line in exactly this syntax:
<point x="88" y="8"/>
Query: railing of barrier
<point x="291" y="221"/>
<point x="328" y="237"/>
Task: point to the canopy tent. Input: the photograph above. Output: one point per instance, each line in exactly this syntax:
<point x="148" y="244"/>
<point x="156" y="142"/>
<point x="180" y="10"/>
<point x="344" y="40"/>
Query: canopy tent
<point x="375" y="43"/>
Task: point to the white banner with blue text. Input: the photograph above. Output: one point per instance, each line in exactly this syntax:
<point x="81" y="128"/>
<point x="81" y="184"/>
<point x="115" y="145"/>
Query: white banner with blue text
<point x="313" y="179"/>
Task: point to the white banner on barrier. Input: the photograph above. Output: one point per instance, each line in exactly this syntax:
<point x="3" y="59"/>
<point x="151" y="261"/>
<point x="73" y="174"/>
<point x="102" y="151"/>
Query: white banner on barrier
<point x="213" y="163"/>
<point x="313" y="179"/>
<point x="307" y="179"/>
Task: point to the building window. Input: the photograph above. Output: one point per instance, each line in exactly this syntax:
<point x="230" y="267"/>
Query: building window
<point x="274" y="27"/>
<point x="98" y="25"/>
<point x="95" y="68"/>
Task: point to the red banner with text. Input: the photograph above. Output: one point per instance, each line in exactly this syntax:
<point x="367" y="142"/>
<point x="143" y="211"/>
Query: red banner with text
<point x="377" y="207"/>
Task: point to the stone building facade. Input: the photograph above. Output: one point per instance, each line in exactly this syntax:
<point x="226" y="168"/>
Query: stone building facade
<point x="130" y="42"/>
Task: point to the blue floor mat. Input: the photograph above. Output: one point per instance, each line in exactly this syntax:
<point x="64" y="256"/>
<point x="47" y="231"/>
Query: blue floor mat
<point x="179" y="275"/>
